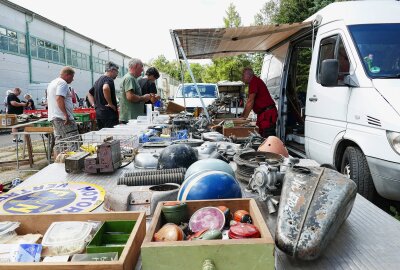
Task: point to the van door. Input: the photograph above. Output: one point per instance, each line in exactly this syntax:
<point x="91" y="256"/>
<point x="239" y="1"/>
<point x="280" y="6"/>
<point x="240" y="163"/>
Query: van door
<point x="326" y="107"/>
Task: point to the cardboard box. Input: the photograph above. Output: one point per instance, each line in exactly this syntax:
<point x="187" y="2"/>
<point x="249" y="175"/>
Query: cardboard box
<point x="172" y="107"/>
<point x="239" y="132"/>
<point x="256" y="253"/>
<point x="8" y="120"/>
<point x="39" y="223"/>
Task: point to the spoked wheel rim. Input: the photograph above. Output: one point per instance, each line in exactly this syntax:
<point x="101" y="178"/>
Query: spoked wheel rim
<point x="346" y="170"/>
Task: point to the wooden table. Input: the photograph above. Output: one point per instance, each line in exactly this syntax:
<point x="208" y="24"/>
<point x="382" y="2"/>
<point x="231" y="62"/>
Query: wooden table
<point x="27" y="135"/>
<point x="368" y="239"/>
<point x="29" y="129"/>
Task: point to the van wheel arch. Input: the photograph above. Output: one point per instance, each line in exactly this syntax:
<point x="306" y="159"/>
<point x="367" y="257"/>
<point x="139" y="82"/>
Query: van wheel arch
<point x="354" y="164"/>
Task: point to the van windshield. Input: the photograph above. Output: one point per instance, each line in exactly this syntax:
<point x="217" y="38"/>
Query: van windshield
<point x="206" y="91"/>
<point x="379" y="48"/>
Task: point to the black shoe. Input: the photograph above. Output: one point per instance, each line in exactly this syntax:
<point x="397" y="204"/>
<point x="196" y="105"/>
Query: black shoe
<point x="19" y="140"/>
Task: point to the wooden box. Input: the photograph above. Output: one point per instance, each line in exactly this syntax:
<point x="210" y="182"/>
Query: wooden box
<point x="8" y="120"/>
<point x="229" y="254"/>
<point x="39" y="223"/>
<point x="239" y="132"/>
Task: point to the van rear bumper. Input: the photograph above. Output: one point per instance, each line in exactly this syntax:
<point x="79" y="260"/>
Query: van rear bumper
<point x="386" y="177"/>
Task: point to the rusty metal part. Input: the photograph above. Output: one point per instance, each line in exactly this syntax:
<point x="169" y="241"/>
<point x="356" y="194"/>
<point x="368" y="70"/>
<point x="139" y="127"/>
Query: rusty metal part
<point x="75" y="163"/>
<point x="153" y="177"/>
<point x="314" y="203"/>
<point x="249" y="161"/>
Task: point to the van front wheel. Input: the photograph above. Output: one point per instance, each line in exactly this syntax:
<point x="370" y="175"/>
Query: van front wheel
<point x="354" y="165"/>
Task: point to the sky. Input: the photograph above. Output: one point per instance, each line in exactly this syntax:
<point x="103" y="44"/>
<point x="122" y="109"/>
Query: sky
<point x="140" y="28"/>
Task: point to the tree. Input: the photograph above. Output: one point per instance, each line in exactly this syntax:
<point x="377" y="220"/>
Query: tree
<point x="267" y="13"/>
<point x="232" y="18"/>
<point x="197" y="70"/>
<point x="170" y="68"/>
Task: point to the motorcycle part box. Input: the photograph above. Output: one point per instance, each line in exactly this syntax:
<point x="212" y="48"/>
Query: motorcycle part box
<point x="225" y="254"/>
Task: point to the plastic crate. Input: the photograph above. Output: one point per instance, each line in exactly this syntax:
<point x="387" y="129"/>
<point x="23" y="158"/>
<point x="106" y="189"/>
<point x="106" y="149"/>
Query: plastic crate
<point x="42" y="124"/>
<point x="82" y="117"/>
<point x="90" y="111"/>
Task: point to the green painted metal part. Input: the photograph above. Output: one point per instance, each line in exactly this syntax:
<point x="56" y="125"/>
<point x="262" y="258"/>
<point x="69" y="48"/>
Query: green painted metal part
<point x="224" y="257"/>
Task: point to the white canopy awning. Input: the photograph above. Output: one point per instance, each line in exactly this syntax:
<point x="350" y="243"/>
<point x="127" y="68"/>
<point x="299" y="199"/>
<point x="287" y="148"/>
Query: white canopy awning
<point x="218" y="42"/>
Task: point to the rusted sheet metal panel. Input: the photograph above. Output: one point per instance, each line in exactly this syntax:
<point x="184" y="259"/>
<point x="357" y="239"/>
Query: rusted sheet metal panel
<point x="314" y="204"/>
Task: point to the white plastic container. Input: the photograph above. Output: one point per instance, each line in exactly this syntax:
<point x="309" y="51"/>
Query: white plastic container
<point x="64" y="238"/>
<point x="7" y="230"/>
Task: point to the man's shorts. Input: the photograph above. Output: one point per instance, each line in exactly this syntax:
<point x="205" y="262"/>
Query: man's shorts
<point x="66" y="136"/>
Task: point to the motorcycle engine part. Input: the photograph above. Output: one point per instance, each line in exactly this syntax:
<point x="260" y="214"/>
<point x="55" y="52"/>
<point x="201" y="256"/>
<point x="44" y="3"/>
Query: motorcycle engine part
<point x="153" y="177"/>
<point x="191" y="142"/>
<point x="208" y="185"/>
<point x="146" y="161"/>
<point x="177" y="156"/>
<point x="249" y="161"/>
<point x="213" y="136"/>
<point x="156" y="144"/>
<point x="139" y="198"/>
<point x="207" y="218"/>
<point x="75" y="163"/>
<point x="209" y="164"/>
<point x="314" y="203"/>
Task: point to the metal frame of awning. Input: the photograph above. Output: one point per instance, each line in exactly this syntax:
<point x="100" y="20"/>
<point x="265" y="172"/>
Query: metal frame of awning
<point x="219" y="42"/>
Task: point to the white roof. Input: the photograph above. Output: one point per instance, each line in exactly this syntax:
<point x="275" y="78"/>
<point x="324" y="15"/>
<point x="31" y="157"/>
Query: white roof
<point x="361" y="12"/>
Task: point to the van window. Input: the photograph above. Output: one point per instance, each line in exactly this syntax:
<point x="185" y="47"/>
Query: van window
<point x="272" y="70"/>
<point x="378" y="47"/>
<point x="333" y="48"/>
<point x="206" y="91"/>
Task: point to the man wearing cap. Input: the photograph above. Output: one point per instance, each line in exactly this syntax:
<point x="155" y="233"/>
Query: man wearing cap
<point x="105" y="100"/>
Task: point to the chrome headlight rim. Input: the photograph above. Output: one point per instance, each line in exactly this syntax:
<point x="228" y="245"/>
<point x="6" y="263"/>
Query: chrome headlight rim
<point x="394" y="140"/>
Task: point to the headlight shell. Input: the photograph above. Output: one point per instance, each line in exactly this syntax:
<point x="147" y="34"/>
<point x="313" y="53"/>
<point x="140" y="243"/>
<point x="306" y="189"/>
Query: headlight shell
<point x="394" y="140"/>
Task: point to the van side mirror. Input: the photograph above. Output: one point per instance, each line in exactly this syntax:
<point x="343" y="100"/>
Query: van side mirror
<point x="329" y="72"/>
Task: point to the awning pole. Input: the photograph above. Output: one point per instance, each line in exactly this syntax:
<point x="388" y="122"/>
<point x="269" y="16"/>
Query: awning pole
<point x="178" y="43"/>
<point x="183" y="84"/>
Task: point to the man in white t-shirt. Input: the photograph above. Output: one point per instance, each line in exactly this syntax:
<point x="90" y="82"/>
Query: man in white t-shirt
<point x="60" y="111"/>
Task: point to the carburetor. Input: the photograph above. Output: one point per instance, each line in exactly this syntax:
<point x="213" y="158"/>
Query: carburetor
<point x="268" y="177"/>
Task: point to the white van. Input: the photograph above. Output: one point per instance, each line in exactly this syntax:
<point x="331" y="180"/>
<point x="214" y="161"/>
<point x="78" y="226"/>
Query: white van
<point x="337" y="87"/>
<point x="186" y="95"/>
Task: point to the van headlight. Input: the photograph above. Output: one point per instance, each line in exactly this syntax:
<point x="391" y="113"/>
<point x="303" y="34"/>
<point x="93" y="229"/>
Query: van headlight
<point x="394" y="140"/>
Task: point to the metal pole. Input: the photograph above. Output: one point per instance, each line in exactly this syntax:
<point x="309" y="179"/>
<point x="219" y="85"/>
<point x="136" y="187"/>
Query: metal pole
<point x="178" y="43"/>
<point x="183" y="85"/>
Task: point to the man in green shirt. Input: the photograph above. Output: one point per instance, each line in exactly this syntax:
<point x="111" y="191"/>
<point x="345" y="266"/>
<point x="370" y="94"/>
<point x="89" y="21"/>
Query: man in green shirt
<point x="132" y="100"/>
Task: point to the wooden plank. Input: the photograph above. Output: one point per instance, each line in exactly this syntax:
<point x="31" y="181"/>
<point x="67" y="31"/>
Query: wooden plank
<point x="30" y="150"/>
<point x="39" y="129"/>
<point x="13" y="162"/>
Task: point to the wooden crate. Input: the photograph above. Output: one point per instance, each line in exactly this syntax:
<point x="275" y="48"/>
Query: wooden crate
<point x="239" y="132"/>
<point x="225" y="254"/>
<point x="8" y="120"/>
<point x="39" y="223"/>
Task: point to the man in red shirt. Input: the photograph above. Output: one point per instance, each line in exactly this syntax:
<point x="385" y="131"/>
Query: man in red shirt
<point x="261" y="103"/>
